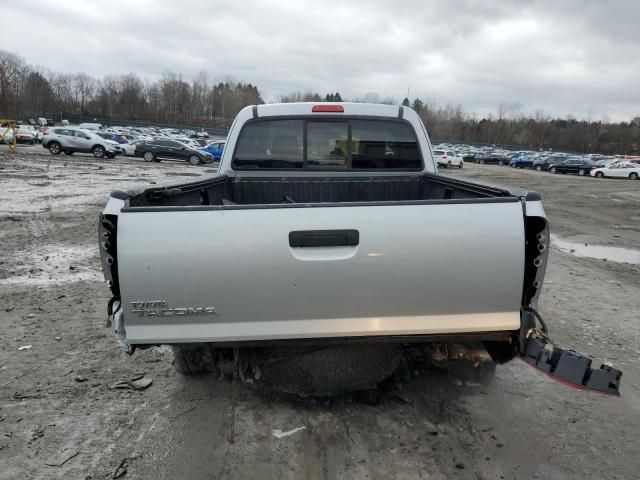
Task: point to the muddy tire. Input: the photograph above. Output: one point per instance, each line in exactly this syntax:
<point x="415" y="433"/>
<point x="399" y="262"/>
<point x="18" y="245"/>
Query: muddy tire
<point x="193" y="358"/>
<point x="329" y="370"/>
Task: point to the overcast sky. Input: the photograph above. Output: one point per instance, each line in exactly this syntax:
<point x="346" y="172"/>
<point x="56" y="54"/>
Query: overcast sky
<point x="562" y="57"/>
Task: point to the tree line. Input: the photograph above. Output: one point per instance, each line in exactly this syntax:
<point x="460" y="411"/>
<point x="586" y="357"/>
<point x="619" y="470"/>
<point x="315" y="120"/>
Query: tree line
<point x="27" y="91"/>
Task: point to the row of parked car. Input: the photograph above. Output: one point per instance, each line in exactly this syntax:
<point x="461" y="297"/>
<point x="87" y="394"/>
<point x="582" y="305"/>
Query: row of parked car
<point x="149" y="143"/>
<point x="595" y="165"/>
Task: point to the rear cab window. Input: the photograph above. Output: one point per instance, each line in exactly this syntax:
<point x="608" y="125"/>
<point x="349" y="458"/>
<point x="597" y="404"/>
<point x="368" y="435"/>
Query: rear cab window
<point x="327" y="144"/>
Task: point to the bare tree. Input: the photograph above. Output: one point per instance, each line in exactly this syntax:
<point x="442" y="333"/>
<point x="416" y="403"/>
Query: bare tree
<point x="84" y="88"/>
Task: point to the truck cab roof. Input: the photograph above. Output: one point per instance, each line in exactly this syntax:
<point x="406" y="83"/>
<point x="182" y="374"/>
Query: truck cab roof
<point x="325" y="138"/>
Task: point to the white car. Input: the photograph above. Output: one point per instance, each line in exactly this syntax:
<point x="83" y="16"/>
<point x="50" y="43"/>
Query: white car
<point x="128" y="149"/>
<point x="618" y="170"/>
<point x="447" y="159"/>
<point x="70" y="140"/>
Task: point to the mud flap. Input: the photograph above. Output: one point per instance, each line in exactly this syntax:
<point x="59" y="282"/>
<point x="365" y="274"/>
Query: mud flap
<point x="568" y="366"/>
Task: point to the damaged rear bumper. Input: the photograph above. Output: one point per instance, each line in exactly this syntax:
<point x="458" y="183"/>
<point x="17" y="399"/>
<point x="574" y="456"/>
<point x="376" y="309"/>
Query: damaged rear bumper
<point x="567" y="366"/>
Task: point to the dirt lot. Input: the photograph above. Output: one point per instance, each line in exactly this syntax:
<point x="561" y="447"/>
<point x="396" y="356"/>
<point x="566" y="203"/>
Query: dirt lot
<point x="60" y="419"/>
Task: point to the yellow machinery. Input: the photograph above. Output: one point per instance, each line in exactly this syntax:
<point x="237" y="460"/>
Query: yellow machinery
<point x="8" y="126"/>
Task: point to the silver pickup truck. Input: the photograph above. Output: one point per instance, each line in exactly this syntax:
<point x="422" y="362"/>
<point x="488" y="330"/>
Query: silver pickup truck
<point x="326" y="248"/>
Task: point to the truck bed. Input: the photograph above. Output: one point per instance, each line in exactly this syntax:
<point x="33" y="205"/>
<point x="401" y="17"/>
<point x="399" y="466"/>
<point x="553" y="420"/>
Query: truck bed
<point x="230" y="191"/>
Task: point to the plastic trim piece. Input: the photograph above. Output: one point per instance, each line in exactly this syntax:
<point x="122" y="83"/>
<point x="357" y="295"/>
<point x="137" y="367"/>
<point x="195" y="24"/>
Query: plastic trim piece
<point x="571" y="367"/>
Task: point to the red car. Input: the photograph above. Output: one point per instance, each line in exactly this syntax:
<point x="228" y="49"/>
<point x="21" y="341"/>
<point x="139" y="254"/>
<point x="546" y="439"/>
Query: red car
<point x="25" y="136"/>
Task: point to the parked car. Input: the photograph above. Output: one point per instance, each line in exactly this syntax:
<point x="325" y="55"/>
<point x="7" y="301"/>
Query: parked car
<point x="71" y="140"/>
<point x="470" y="155"/>
<point x="164" y="148"/>
<point x="618" y="170"/>
<point x="189" y="142"/>
<point x="580" y="166"/>
<point x="24" y="134"/>
<point x="523" y="161"/>
<point x="126" y="147"/>
<point x="293" y="239"/>
<point x="448" y="159"/>
<point x="493" y="157"/>
<point x="90" y="126"/>
<point x="543" y="163"/>
<point x="215" y="148"/>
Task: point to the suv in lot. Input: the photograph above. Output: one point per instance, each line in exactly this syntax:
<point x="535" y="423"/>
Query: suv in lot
<point x="165" y="148"/>
<point x="71" y="140"/>
<point x="448" y="158"/>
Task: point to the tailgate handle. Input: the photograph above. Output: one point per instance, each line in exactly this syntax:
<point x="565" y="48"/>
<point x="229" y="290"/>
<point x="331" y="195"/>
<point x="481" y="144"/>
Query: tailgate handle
<point x="324" y="238"/>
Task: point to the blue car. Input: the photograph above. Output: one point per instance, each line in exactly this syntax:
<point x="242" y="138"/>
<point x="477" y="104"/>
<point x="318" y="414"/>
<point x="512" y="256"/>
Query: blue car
<point x="215" y="149"/>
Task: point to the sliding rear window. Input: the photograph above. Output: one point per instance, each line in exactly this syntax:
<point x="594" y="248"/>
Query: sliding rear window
<point x="327" y="144"/>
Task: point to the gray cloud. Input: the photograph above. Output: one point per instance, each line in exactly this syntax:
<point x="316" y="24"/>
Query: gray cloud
<point x="569" y="57"/>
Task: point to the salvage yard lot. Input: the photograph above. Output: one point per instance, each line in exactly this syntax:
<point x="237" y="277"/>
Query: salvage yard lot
<point x="61" y="417"/>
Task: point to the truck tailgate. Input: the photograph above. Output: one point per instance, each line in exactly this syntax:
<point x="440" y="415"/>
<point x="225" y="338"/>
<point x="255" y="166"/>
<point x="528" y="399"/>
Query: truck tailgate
<point x="240" y="274"/>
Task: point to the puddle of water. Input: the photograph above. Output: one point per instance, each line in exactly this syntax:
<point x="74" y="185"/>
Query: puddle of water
<point x="613" y="254"/>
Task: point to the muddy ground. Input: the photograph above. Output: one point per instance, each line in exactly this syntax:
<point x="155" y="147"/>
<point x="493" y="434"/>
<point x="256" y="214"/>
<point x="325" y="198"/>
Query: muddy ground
<point x="59" y="418"/>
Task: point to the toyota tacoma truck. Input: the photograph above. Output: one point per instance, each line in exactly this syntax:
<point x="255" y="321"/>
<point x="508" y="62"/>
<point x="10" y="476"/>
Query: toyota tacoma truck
<point x="326" y="248"/>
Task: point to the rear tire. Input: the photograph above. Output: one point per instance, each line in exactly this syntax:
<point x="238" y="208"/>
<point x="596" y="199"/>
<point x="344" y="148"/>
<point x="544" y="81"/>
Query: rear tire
<point x="149" y="156"/>
<point x="55" y="148"/>
<point x="599" y="175"/>
<point x="68" y="152"/>
<point x="500" y="162"/>
<point x="449" y="164"/>
<point x="539" y="168"/>
<point x="581" y="172"/>
<point x="193" y="358"/>
<point x="633" y="176"/>
<point x="195" y="160"/>
<point x="553" y="170"/>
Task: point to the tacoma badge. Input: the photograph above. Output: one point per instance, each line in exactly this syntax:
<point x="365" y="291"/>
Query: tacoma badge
<point x="161" y="308"/>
